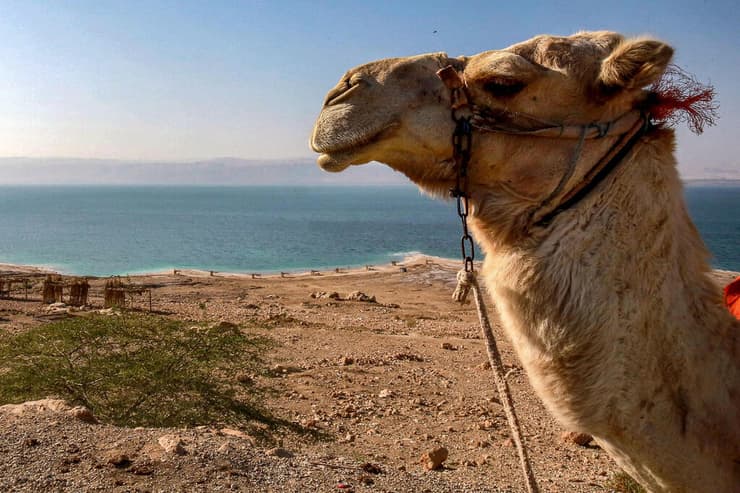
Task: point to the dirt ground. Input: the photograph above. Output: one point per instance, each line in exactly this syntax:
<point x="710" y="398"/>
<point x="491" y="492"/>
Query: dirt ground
<point x="383" y="382"/>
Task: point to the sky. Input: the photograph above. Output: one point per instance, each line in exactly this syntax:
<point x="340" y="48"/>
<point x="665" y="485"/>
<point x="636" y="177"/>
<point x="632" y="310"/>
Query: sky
<point x="182" y="81"/>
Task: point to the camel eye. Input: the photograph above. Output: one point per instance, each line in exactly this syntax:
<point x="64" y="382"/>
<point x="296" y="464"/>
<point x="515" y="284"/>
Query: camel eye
<point x="502" y="88"/>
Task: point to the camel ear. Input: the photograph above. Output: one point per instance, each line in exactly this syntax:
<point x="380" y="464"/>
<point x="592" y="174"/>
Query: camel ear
<point x="634" y="64"/>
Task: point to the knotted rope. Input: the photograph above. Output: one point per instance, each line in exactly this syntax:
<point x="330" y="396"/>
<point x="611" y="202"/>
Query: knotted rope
<point x="467" y="281"/>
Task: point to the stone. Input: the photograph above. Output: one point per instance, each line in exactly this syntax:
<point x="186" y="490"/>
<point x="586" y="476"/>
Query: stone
<point x="385" y="393"/>
<point x="31" y="407"/>
<point x="448" y="346"/>
<point x="347" y="360"/>
<point x="581" y="439"/>
<point x="116" y="458"/>
<point x="237" y="434"/>
<point x="172" y="444"/>
<point x="433" y="459"/>
<point x="83" y="414"/>
<point x="360" y="296"/>
<point x="319" y="295"/>
<point x="486" y="424"/>
<point x="280" y="452"/>
<point x="284" y="369"/>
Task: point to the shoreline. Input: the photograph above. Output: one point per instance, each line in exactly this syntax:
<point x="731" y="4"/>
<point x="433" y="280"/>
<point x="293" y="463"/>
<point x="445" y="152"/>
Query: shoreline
<point x="406" y="261"/>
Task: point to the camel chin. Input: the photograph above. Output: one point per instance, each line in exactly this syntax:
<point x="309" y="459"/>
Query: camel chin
<point x="332" y="163"/>
<point x="335" y="161"/>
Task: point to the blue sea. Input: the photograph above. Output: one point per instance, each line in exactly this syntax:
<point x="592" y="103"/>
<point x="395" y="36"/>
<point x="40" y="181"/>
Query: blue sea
<point x="126" y="230"/>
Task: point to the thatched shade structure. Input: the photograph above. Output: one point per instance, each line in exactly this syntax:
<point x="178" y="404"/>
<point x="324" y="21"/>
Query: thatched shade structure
<point x="78" y="292"/>
<point x="116" y="291"/>
<point x="114" y="295"/>
<point x="54" y="285"/>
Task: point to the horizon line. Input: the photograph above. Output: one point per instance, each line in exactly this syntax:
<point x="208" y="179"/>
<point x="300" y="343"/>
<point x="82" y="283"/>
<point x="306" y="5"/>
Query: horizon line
<point x="151" y="161"/>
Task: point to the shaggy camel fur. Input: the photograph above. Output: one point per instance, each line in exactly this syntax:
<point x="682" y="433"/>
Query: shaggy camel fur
<point x="609" y="305"/>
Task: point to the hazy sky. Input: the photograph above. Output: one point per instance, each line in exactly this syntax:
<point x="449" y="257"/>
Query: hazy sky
<point x="185" y="80"/>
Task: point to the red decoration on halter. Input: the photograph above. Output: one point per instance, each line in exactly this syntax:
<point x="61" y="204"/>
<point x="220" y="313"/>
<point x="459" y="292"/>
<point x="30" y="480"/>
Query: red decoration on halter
<point x="678" y="97"/>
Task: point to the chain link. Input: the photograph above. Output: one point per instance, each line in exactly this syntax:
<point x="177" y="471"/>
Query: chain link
<point x="461" y="145"/>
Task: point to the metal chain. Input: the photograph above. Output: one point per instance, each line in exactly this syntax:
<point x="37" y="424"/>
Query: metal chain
<point x="466" y="279"/>
<point x="462" y="140"/>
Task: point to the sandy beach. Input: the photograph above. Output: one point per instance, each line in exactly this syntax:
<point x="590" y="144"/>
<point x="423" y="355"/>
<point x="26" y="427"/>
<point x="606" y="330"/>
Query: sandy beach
<point x="384" y="381"/>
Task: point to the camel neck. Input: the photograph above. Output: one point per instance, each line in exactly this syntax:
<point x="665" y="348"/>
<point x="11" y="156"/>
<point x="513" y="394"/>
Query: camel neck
<point x="623" y="239"/>
<point x="625" y="262"/>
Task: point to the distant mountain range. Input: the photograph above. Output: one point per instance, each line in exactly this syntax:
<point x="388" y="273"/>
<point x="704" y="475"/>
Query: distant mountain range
<point x="220" y="171"/>
<point x="226" y="171"/>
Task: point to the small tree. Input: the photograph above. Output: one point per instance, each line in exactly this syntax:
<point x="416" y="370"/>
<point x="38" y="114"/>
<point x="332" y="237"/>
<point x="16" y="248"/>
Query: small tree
<point x="137" y="370"/>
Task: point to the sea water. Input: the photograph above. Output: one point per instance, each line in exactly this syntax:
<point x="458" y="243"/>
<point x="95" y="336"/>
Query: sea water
<point x="119" y="230"/>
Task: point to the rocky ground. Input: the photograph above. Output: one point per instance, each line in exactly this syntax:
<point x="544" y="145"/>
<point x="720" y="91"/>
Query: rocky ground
<point x="378" y="383"/>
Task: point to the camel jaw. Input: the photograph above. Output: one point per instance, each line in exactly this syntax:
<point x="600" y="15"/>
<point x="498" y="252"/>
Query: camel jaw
<point x="343" y="147"/>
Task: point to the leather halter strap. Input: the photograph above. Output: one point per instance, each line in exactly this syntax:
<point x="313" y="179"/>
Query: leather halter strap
<point x="503" y="121"/>
<point x="630" y="126"/>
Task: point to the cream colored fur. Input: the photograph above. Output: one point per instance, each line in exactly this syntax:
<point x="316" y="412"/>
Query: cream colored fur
<point x="610" y="307"/>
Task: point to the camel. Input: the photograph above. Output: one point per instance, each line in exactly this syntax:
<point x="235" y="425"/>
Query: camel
<point x="600" y="279"/>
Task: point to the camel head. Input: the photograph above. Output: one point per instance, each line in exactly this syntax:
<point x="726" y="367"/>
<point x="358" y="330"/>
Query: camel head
<point x="398" y="111"/>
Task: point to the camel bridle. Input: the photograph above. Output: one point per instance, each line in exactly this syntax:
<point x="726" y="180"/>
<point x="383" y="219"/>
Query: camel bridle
<point x="629" y="127"/>
<point x="467" y="116"/>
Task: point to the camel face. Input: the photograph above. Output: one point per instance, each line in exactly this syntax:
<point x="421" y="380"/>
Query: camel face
<point x="397" y="111"/>
<point x="388" y="110"/>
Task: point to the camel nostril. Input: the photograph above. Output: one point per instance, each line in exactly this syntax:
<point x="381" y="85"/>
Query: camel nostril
<point x="334" y="94"/>
<point x="342" y="90"/>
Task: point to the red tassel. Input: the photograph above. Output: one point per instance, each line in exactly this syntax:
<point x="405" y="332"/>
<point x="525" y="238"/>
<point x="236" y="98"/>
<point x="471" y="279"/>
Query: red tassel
<point x="678" y="97"/>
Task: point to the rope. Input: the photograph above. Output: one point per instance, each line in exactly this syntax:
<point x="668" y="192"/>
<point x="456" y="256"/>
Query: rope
<point x="571" y="168"/>
<point x="466" y="281"/>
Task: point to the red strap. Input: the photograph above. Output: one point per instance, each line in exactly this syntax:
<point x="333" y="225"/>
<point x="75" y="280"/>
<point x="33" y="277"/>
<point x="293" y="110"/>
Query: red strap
<point x="732" y="297"/>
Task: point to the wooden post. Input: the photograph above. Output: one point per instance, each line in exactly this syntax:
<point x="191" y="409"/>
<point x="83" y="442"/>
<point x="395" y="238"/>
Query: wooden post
<point x="114" y="294"/>
<point x="78" y="290"/>
<point x="48" y="292"/>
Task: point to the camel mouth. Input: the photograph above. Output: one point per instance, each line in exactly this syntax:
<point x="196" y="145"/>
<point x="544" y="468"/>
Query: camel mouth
<point x="336" y="157"/>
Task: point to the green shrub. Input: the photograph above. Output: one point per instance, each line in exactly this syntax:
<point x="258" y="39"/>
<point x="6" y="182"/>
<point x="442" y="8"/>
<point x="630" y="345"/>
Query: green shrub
<point x="623" y="483"/>
<point x="137" y="370"/>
